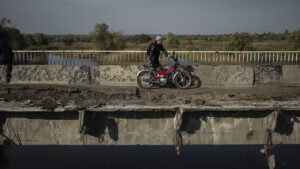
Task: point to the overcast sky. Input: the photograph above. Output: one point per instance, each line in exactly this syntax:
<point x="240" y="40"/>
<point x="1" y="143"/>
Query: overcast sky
<point x="153" y="16"/>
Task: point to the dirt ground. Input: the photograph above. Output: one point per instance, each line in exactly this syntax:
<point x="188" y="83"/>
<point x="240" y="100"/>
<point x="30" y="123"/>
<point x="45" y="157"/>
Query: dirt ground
<point x="52" y="96"/>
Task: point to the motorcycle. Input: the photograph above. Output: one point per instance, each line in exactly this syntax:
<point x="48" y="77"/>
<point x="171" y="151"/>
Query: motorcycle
<point x="176" y="75"/>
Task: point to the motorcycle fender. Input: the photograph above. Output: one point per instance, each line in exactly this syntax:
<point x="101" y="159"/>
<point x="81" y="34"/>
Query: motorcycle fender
<point x="173" y="78"/>
<point x="139" y="72"/>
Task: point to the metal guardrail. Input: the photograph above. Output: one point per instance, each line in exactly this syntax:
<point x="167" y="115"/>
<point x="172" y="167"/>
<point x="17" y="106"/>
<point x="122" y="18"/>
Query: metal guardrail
<point x="106" y="57"/>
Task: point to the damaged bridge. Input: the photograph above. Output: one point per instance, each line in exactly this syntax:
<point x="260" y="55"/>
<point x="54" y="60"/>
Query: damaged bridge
<point x="101" y="105"/>
<point x="93" y="116"/>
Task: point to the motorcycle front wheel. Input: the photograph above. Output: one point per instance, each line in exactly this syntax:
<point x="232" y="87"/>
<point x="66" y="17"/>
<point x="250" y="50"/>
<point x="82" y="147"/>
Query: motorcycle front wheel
<point x="183" y="80"/>
<point x="142" y="80"/>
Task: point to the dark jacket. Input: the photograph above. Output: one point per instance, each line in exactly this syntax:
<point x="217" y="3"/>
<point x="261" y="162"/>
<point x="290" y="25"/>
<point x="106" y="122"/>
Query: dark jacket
<point x="6" y="58"/>
<point x="155" y="50"/>
<point x="6" y="55"/>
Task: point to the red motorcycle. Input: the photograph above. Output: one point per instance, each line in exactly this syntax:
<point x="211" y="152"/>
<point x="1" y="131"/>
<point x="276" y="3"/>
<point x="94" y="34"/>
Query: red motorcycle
<point x="176" y="74"/>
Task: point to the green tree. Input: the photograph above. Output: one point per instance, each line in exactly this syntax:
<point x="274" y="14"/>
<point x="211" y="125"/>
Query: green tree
<point x="286" y="32"/>
<point x="40" y="39"/>
<point x="142" y="38"/>
<point x="172" y="40"/>
<point x="5" y="21"/>
<point x="105" y="40"/>
<point x="68" y="40"/>
<point x="101" y="37"/>
<point x="118" y="41"/>
<point x="294" y="37"/>
<point x="239" y="42"/>
<point x="29" y="40"/>
<point x="11" y="35"/>
<point x="15" y="39"/>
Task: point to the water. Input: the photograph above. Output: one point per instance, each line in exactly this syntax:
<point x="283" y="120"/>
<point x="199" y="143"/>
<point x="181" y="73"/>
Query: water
<point x="181" y="61"/>
<point x="146" y="157"/>
<point x="59" y="60"/>
<point x="53" y="59"/>
<point x="56" y="59"/>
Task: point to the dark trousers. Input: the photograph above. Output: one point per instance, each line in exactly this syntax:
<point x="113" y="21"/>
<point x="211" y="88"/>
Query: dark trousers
<point x="8" y="72"/>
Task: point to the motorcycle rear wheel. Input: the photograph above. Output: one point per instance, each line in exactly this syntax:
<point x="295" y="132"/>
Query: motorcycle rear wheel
<point x="183" y="80"/>
<point x="140" y="79"/>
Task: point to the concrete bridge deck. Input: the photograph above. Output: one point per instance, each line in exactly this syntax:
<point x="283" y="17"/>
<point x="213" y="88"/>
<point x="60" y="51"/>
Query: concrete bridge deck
<point x="103" y="115"/>
<point x="98" y="97"/>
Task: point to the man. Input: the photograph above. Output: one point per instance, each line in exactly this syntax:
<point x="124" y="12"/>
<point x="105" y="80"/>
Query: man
<point x="153" y="52"/>
<point x="6" y="57"/>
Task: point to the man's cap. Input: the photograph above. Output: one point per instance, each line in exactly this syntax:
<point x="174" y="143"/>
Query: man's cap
<point x="158" y="38"/>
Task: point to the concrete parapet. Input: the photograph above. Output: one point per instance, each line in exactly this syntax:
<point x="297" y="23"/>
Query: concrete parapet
<point x="50" y="74"/>
<point x="115" y="74"/>
<point x="286" y="75"/>
<point x="3" y="73"/>
<point x="291" y="75"/>
<point x="204" y="73"/>
<point x="224" y="75"/>
<point x="268" y="75"/>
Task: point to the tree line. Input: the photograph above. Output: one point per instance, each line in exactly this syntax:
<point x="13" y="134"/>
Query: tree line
<point x="102" y="38"/>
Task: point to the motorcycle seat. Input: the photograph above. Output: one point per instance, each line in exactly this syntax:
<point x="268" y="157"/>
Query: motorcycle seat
<point x="164" y="70"/>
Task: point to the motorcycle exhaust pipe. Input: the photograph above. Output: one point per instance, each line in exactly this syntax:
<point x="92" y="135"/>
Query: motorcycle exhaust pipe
<point x="154" y="82"/>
